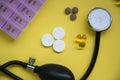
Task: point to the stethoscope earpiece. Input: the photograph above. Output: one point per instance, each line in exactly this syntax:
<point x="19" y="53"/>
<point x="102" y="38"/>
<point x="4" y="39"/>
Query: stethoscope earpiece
<point x="99" y="19"/>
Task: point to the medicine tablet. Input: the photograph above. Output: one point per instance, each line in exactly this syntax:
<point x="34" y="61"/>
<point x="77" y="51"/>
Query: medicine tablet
<point x="74" y="10"/>
<point x="67" y="10"/>
<point x="73" y="17"/>
<point x="47" y="40"/>
<point x="58" y="33"/>
<point x="59" y="46"/>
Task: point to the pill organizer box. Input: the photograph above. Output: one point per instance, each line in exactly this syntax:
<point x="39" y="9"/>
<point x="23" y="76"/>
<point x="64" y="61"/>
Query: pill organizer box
<point x="15" y="15"/>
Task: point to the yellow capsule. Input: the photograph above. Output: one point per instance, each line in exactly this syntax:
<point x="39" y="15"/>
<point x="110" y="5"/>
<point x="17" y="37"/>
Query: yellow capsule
<point x="80" y="39"/>
<point x="79" y="36"/>
<point x="77" y="40"/>
<point x="117" y="3"/>
<point x="84" y="36"/>
<point x="81" y="45"/>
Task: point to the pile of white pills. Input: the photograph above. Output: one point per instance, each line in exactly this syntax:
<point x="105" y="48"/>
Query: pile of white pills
<point x="55" y="40"/>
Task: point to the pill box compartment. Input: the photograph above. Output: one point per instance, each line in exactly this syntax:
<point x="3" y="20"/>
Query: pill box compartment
<point x="17" y="15"/>
<point x="12" y="30"/>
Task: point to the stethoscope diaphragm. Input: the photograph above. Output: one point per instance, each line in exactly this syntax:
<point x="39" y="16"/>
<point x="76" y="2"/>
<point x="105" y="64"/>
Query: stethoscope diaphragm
<point x="99" y="19"/>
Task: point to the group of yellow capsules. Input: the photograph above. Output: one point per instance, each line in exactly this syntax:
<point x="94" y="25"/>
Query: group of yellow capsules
<point x="81" y="40"/>
<point x="118" y="2"/>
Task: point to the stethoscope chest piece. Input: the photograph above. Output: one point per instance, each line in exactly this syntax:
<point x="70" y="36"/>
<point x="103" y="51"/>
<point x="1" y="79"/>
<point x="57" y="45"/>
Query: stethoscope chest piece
<point x="99" y="19"/>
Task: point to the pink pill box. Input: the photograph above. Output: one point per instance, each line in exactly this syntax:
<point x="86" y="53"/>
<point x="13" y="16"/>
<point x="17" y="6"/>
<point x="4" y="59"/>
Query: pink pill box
<point x="15" y="15"/>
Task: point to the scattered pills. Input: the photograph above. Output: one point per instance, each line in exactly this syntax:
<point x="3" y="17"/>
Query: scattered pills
<point x="74" y="10"/>
<point x="67" y="11"/>
<point x="81" y="40"/>
<point x="47" y="40"/>
<point x="58" y="33"/>
<point x="59" y="46"/>
<point x="54" y="40"/>
<point x="73" y="17"/>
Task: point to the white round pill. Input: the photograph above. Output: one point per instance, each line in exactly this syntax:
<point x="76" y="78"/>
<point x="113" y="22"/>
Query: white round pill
<point x="47" y="40"/>
<point x="58" y="33"/>
<point x="59" y="46"/>
<point x="99" y="19"/>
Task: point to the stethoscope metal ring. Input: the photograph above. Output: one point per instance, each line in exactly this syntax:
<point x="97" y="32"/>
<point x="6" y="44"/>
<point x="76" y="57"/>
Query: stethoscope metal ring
<point x="99" y="19"/>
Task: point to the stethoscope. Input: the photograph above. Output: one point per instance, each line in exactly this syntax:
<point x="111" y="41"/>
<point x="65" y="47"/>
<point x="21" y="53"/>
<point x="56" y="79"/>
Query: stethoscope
<point x="99" y="20"/>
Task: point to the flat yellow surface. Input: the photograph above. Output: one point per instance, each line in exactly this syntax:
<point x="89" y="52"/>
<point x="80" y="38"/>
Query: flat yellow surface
<point x="52" y="15"/>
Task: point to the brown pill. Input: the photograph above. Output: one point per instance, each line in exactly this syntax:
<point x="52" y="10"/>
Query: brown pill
<point x="67" y="11"/>
<point x="74" y="10"/>
<point x="73" y="17"/>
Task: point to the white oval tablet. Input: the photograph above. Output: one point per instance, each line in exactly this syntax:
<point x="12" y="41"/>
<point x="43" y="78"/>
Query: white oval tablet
<point x="59" y="46"/>
<point x="99" y="19"/>
<point x="58" y="33"/>
<point x="47" y="40"/>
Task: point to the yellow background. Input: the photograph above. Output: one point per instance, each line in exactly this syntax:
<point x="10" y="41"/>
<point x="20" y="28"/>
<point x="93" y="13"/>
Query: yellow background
<point x="52" y="15"/>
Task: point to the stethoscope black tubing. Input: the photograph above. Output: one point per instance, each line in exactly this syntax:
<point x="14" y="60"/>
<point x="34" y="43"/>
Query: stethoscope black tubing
<point x="94" y="58"/>
<point x="85" y="76"/>
<point x="23" y="64"/>
<point x="4" y="70"/>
